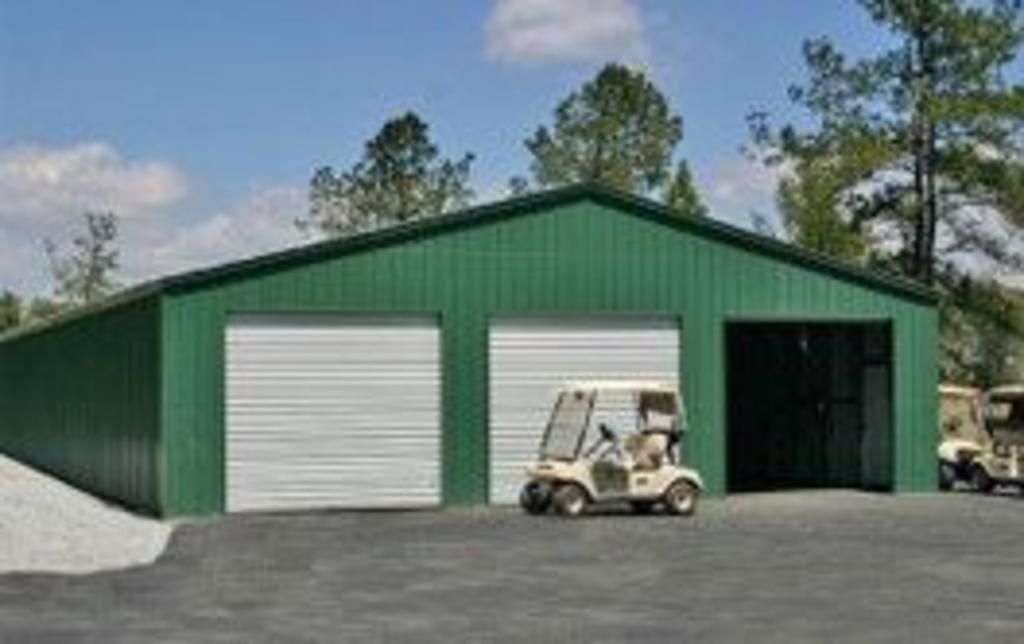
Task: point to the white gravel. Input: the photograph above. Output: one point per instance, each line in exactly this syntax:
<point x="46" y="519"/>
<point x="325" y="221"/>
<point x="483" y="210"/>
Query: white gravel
<point x="49" y="526"/>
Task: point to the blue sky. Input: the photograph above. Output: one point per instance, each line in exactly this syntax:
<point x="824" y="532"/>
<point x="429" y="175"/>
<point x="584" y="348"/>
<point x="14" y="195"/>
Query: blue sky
<point x="201" y="121"/>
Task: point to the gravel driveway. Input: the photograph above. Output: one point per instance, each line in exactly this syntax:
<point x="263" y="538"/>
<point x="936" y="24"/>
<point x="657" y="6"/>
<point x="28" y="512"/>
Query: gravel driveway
<point x="827" y="566"/>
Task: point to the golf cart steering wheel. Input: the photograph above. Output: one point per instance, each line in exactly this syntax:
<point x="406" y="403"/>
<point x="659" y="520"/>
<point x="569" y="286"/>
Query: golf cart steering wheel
<point x="607" y="433"/>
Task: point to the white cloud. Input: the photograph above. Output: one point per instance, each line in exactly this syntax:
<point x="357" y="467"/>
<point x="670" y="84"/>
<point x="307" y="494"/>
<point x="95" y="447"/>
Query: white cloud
<point x="44" y="190"/>
<point x="986" y="226"/>
<point x="541" y="31"/>
<point x="44" y="187"/>
<point x="262" y="222"/>
<point x="491" y="191"/>
<point x="741" y="186"/>
<point x="21" y="263"/>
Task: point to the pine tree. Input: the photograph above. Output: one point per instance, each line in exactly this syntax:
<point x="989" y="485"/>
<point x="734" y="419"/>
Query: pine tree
<point x="618" y="129"/>
<point x="400" y="177"/>
<point x="925" y="134"/>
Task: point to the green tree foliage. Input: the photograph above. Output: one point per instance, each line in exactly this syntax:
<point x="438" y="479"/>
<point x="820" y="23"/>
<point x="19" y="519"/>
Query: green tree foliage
<point x="617" y="129"/>
<point x="919" y="135"/>
<point x="914" y="157"/>
<point x="42" y="308"/>
<point x="10" y="311"/>
<point x="84" y="274"/>
<point x="681" y="194"/>
<point x="810" y="205"/>
<point x="16" y="311"/>
<point x="400" y="177"/>
<point x="984" y="339"/>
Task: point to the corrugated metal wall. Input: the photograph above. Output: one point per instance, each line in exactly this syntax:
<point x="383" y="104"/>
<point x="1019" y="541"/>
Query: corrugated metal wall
<point x="582" y="258"/>
<point x="81" y="400"/>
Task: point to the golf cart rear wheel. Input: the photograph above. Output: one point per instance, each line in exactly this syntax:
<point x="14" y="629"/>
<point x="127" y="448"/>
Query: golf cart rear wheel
<point x="981" y="481"/>
<point x="681" y="498"/>
<point x="535" y="497"/>
<point x="570" y="500"/>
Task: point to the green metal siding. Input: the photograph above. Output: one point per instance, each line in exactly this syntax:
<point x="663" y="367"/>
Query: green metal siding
<point x="583" y="257"/>
<point x="81" y="400"/>
<point x="915" y="387"/>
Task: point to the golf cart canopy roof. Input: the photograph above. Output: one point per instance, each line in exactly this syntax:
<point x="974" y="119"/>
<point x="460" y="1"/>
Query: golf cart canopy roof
<point x="620" y="385"/>
<point x="958" y="390"/>
<point x="1006" y="392"/>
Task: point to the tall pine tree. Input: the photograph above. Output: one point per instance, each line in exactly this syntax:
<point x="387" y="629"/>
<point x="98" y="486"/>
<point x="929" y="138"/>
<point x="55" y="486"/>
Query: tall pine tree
<point x="618" y="129"/>
<point x="914" y="158"/>
<point x="400" y="177"/>
<point x="924" y="137"/>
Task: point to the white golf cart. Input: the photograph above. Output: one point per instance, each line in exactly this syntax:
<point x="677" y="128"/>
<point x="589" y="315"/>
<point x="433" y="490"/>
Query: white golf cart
<point x="584" y="460"/>
<point x="962" y="433"/>
<point x="1001" y="462"/>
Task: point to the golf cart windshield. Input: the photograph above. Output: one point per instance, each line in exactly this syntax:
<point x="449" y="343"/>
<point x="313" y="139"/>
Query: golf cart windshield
<point x="581" y="410"/>
<point x="960" y="417"/>
<point x="567" y="425"/>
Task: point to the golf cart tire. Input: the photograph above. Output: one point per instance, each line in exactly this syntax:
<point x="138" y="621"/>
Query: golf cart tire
<point x="947" y="476"/>
<point x="570" y="500"/>
<point x="981" y="482"/>
<point x="681" y="498"/>
<point x="535" y="498"/>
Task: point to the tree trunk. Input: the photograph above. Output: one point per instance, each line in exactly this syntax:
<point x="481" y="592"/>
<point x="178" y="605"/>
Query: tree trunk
<point x="917" y="258"/>
<point x="931" y="210"/>
<point x="924" y="159"/>
<point x="597" y="162"/>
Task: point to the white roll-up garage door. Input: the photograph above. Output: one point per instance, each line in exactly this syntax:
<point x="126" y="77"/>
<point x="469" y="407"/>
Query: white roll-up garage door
<point x="530" y="360"/>
<point x="328" y="410"/>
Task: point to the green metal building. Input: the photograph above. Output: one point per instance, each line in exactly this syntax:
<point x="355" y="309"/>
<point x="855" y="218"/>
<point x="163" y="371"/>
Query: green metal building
<point x="415" y="366"/>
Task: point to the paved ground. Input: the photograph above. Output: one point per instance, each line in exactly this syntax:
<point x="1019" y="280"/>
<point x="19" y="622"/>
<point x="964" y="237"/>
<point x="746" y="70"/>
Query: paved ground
<point x="782" y="567"/>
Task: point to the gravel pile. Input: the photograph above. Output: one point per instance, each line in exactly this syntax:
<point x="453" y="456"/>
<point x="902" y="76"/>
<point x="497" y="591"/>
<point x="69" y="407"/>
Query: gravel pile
<point x="48" y="526"/>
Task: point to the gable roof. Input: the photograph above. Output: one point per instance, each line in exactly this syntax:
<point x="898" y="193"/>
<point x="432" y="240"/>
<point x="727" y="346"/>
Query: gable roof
<point x="616" y="199"/>
<point x="505" y="209"/>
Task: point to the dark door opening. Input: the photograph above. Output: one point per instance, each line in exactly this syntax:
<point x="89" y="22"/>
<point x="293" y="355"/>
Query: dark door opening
<point x="808" y="405"/>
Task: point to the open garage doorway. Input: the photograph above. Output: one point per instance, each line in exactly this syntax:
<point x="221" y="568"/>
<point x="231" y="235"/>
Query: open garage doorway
<point x="808" y="405"/>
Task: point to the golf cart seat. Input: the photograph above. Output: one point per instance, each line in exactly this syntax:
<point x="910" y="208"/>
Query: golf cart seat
<point x="647" y="449"/>
<point x="652" y="445"/>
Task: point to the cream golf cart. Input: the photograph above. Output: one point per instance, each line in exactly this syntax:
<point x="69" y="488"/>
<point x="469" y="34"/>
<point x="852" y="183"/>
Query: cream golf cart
<point x="584" y="459"/>
<point x="962" y="434"/>
<point x="1001" y="461"/>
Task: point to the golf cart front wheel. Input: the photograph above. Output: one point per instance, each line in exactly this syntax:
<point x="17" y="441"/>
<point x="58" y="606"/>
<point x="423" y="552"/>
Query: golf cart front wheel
<point x="681" y="498"/>
<point x="981" y="481"/>
<point x="570" y="500"/>
<point x="535" y="497"/>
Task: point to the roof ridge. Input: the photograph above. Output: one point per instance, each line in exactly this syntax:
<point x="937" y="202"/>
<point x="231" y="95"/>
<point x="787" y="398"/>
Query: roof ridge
<point x="472" y="215"/>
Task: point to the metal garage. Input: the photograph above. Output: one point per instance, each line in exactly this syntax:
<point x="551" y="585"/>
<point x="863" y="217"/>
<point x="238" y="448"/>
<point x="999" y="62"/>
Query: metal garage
<point x="413" y="366"/>
<point x="332" y="411"/>
<point x="530" y="360"/>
